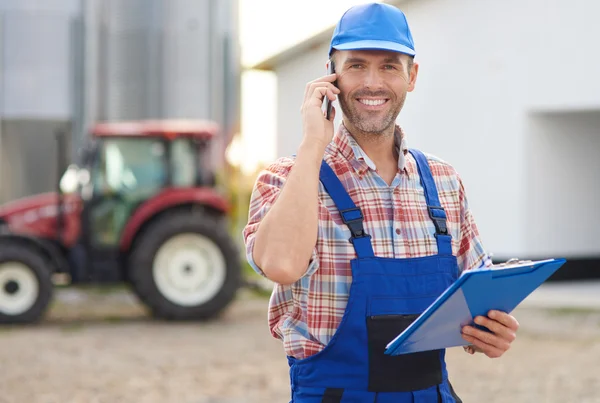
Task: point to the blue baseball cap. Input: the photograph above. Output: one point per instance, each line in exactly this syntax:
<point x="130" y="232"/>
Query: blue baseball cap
<point x="373" y="26"/>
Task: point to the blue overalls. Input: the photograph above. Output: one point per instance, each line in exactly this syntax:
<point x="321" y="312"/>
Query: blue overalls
<point x="386" y="295"/>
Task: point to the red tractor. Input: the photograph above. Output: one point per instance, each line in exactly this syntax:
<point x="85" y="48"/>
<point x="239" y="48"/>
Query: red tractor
<point x="140" y="208"/>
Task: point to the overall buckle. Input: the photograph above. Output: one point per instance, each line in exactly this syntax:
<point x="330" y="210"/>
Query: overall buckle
<point x="438" y="216"/>
<point x="354" y="224"/>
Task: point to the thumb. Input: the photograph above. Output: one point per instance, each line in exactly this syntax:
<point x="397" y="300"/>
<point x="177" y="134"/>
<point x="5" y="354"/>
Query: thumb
<point x="332" y="115"/>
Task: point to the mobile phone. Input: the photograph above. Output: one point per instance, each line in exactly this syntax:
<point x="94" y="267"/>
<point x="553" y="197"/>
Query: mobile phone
<point x="328" y="105"/>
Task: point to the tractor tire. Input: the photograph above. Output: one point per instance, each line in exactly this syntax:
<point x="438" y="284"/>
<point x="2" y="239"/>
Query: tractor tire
<point x="26" y="286"/>
<point x="185" y="266"/>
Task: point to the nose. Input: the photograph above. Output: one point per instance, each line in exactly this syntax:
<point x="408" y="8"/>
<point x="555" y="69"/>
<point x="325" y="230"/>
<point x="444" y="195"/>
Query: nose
<point x="373" y="79"/>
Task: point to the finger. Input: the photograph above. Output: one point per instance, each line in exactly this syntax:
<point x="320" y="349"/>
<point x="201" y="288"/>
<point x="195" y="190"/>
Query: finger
<point x="311" y="88"/>
<point x="472" y="349"/>
<point x="318" y="95"/>
<point x="331" y="95"/>
<point x="469" y="349"/>
<point x="329" y="86"/>
<point x="504" y="318"/>
<point x="497" y="328"/>
<point x="332" y="116"/>
<point x="487" y="338"/>
<point x="476" y="349"/>
<point x="487" y="349"/>
<point x="329" y="78"/>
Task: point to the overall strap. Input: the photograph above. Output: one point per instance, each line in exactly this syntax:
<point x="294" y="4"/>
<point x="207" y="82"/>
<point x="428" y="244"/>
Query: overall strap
<point x="434" y="207"/>
<point x="351" y="215"/>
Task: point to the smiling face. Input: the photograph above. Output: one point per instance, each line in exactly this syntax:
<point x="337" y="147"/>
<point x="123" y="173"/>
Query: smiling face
<point x="373" y="87"/>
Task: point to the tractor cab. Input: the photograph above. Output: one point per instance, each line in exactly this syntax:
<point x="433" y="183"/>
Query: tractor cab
<point x="139" y="207"/>
<point x="127" y="164"/>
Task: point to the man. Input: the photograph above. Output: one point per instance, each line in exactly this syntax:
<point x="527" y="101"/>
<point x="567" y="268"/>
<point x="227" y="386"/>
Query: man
<point x="361" y="234"/>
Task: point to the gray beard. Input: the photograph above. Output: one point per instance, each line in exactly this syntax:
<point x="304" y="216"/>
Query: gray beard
<point x="361" y="121"/>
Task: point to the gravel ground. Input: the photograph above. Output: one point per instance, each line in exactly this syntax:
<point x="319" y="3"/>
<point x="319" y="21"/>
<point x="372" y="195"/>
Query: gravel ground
<point x="101" y="347"/>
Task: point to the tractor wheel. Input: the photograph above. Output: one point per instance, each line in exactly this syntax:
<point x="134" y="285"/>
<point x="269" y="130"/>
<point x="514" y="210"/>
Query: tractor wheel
<point x="25" y="284"/>
<point x="185" y="266"/>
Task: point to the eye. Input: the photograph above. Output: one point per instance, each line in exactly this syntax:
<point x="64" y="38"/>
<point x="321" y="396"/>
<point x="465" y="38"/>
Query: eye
<point x="389" y="67"/>
<point x="355" y="66"/>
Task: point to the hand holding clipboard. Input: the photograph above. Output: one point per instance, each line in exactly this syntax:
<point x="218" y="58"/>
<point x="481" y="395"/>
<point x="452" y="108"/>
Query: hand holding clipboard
<point x="475" y="293"/>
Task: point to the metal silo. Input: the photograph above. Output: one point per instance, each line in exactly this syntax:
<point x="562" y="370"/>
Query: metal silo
<point x="74" y="62"/>
<point x="36" y="90"/>
<point x="165" y="59"/>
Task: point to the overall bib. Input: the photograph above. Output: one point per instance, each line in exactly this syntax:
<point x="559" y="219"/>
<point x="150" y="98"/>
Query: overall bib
<point x="386" y="295"/>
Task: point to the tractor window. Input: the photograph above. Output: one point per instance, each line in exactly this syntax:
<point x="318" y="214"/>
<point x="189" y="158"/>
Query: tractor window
<point x="183" y="163"/>
<point x="130" y="165"/>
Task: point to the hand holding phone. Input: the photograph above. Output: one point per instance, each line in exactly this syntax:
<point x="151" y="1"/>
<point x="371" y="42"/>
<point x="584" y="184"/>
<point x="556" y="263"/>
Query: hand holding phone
<point x="316" y="108"/>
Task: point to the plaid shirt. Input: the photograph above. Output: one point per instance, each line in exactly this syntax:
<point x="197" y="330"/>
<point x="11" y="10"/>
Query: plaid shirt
<point x="306" y="314"/>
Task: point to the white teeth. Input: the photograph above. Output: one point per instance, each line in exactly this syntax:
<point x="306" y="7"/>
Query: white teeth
<point x="372" y="102"/>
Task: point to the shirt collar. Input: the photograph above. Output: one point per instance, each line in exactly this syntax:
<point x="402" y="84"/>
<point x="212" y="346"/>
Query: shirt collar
<point x="359" y="160"/>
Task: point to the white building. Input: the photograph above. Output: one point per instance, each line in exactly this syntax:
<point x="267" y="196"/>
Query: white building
<point x="509" y="93"/>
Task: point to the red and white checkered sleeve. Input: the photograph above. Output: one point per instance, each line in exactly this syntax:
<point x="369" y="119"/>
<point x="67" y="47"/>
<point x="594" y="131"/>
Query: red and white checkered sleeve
<point x="266" y="189"/>
<point x="471" y="253"/>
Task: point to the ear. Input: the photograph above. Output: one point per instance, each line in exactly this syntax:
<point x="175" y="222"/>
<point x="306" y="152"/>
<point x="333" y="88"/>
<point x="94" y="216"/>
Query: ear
<point x="414" y="71"/>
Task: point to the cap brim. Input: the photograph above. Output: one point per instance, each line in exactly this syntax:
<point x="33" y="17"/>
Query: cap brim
<point x="375" y="45"/>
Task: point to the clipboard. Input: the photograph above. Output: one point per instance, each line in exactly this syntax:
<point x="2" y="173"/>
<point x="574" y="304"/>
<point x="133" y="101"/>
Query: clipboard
<point x="476" y="292"/>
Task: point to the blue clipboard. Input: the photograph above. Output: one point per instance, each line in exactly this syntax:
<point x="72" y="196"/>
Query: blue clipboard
<point x="475" y="293"/>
